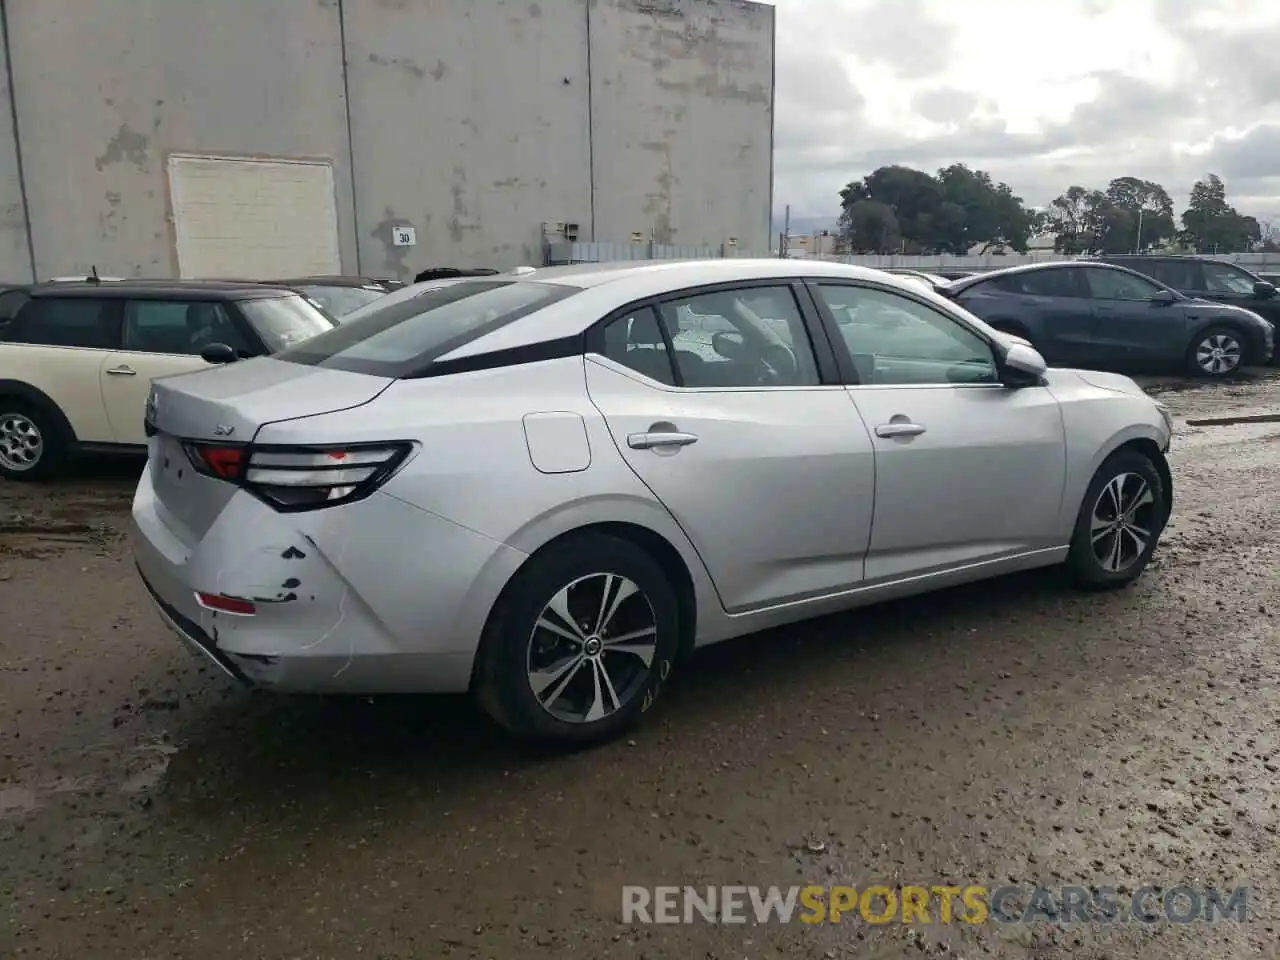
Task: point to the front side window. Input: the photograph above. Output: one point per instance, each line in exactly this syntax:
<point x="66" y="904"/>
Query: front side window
<point x="402" y="338"/>
<point x="1119" y="285"/>
<point x="896" y="340"/>
<point x="178" y="327"/>
<point x="282" y="322"/>
<point x="67" y="322"/>
<point x="1226" y="279"/>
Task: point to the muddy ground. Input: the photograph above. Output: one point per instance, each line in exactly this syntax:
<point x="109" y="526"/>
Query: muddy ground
<point x="1011" y="732"/>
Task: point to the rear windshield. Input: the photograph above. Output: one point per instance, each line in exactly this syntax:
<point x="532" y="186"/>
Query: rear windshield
<point x="284" y="321"/>
<point x="339" y="301"/>
<point x="401" y="339"/>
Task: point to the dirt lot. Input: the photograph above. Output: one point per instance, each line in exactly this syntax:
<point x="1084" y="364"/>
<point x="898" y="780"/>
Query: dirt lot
<point x="1012" y="732"/>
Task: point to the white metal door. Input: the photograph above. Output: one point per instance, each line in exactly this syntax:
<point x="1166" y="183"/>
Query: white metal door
<point x="255" y="219"/>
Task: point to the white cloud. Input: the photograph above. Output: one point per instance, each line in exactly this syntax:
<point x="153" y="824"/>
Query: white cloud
<point x="1042" y="95"/>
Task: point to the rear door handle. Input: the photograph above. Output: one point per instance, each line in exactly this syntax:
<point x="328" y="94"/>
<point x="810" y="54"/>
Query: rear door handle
<point x="648" y="441"/>
<point x="906" y="429"/>
<point x="123" y="372"/>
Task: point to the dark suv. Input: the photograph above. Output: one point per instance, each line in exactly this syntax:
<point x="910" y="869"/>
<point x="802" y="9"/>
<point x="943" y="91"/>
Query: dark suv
<point x="1207" y="279"/>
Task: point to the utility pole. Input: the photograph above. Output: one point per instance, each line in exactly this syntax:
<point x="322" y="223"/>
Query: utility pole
<point x="784" y="242"/>
<point x="1138" y="248"/>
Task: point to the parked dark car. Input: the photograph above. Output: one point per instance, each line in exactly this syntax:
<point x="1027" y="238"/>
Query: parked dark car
<point x="1271" y="278"/>
<point x="338" y="296"/>
<point x="452" y="273"/>
<point x="1087" y="313"/>
<point x="1208" y="279"/>
<point x="957" y="274"/>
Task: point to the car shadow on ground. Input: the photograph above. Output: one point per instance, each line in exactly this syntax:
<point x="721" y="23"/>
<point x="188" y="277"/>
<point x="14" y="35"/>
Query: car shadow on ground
<point x="255" y="745"/>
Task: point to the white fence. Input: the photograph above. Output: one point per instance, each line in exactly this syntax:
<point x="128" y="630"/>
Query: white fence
<point x="560" y="253"/>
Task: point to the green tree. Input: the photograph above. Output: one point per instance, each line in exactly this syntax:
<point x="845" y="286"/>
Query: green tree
<point x="1149" y="209"/>
<point x="951" y="213"/>
<point x="1211" y="225"/>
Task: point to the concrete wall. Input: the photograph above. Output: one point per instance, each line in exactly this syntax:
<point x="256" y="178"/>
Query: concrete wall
<point x="15" y="252"/>
<point x="106" y="91"/>
<point x="682" y="107"/>
<point x="472" y="120"/>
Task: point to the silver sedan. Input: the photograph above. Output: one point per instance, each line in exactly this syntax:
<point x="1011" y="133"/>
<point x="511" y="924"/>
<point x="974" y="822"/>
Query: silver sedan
<point x="547" y="487"/>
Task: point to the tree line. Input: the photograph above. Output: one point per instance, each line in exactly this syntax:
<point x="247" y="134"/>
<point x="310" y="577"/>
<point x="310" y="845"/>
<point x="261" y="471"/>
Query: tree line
<point x="897" y="209"/>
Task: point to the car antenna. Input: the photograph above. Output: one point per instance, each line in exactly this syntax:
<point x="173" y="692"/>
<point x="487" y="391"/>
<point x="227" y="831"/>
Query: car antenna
<point x="93" y="277"/>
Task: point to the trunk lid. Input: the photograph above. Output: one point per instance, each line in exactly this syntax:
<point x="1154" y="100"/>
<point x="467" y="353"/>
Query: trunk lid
<point x="231" y="403"/>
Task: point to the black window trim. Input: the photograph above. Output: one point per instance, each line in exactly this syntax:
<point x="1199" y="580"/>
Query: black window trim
<point x="848" y="373"/>
<point x="814" y="328"/>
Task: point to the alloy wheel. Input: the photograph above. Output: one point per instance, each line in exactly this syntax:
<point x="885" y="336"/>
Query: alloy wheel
<point x="592" y="648"/>
<point x="1123" y="523"/>
<point x="1218" y="354"/>
<point x="21" y="443"/>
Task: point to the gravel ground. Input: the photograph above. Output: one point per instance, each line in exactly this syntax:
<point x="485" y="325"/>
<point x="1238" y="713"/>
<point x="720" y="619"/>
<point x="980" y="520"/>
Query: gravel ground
<point x="1010" y="732"/>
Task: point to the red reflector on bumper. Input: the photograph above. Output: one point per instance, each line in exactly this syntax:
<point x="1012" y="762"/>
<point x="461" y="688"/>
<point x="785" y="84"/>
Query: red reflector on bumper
<point x="232" y="605"/>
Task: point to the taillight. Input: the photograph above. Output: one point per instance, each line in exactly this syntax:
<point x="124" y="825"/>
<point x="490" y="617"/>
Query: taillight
<point x="217" y="460"/>
<point x="302" y="478"/>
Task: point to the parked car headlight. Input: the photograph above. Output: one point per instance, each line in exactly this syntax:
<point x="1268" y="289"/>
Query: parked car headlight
<point x="1166" y="416"/>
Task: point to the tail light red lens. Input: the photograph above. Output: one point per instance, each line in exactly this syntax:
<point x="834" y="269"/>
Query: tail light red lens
<point x="302" y="478"/>
<point x="214" y="460"/>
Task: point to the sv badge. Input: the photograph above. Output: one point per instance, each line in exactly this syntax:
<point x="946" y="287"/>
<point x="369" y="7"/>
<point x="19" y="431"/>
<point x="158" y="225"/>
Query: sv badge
<point x="222" y="430"/>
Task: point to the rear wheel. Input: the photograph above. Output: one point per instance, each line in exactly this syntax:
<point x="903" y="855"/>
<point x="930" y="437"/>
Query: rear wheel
<point x="581" y="643"/>
<point x="1120" y="522"/>
<point x="1216" y="352"/>
<point x="31" y="446"/>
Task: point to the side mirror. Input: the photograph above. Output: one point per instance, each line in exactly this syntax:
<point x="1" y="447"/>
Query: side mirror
<point x="731" y="346"/>
<point x="218" y="353"/>
<point x="1263" y="290"/>
<point x="1026" y="361"/>
<point x="1164" y="297"/>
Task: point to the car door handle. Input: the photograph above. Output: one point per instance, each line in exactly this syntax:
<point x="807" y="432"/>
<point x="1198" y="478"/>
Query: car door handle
<point x="904" y="429"/>
<point x="123" y="372"/>
<point x="648" y="441"/>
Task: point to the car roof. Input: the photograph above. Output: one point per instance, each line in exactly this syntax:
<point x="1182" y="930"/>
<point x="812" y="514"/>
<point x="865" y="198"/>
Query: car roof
<point x="664" y="275"/>
<point x="605" y="288"/>
<point x="964" y="284"/>
<point x="162" y="290"/>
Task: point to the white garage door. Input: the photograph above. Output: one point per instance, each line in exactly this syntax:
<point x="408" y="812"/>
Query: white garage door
<point x="255" y="219"/>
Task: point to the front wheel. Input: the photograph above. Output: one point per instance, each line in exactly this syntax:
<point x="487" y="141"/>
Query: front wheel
<point x="1120" y="522"/>
<point x="1216" y="352"/>
<point x="581" y="643"/>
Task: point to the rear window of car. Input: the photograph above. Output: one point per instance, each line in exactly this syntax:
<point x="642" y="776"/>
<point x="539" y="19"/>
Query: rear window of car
<point x="401" y="339"/>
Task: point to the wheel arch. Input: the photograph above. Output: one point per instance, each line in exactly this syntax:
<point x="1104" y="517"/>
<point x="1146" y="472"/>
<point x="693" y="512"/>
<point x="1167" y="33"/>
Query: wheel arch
<point x="1252" y="338"/>
<point x="37" y="398"/>
<point x="658" y="546"/>
<point x="1150" y="449"/>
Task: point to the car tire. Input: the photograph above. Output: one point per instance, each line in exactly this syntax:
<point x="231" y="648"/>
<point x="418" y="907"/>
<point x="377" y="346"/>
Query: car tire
<point x="1216" y="352"/>
<point x="1105" y="551"/>
<point x="31" y="445"/>
<point x="588" y="689"/>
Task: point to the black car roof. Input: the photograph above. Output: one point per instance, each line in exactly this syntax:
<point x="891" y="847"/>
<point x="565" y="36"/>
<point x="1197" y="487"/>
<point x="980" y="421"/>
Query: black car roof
<point x="967" y="282"/>
<point x="161" y="290"/>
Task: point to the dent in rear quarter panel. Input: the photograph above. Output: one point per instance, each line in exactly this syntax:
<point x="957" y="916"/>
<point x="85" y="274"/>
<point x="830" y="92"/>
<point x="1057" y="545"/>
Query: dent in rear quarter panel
<point x="1097" y="423"/>
<point x="474" y="469"/>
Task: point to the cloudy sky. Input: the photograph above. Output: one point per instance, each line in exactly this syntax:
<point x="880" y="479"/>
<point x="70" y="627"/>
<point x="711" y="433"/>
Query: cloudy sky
<point x="1041" y="93"/>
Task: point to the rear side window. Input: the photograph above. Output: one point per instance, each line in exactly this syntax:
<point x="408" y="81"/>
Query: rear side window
<point x="67" y="322"/>
<point x="1057" y="282"/>
<point x="402" y="339"/>
<point x="10" y="302"/>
